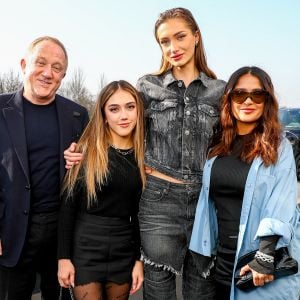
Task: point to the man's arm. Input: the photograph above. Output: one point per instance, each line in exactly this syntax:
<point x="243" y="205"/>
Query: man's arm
<point x="72" y="158"/>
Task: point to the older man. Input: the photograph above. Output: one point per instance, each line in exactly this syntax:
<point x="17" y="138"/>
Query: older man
<point x="36" y="125"/>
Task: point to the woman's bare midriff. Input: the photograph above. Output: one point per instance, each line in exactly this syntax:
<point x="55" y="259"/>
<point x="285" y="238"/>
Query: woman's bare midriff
<point x="160" y="175"/>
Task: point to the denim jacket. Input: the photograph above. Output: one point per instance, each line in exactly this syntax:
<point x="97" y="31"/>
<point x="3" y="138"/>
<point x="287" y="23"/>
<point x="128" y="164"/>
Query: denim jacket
<point x="269" y="208"/>
<point x="180" y="122"/>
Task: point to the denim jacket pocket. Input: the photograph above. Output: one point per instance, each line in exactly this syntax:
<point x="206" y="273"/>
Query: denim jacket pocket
<point x="163" y="105"/>
<point x="208" y="117"/>
<point x="163" y="115"/>
<point x="209" y="110"/>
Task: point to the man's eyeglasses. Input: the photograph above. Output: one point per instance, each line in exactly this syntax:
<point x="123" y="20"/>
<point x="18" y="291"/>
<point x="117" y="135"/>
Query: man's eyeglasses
<point x="240" y="96"/>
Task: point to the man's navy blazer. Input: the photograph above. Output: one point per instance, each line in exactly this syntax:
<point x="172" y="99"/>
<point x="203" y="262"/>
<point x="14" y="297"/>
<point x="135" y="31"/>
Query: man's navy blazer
<point x="14" y="171"/>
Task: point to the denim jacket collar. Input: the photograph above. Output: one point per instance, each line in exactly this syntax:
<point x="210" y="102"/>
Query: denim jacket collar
<point x="168" y="78"/>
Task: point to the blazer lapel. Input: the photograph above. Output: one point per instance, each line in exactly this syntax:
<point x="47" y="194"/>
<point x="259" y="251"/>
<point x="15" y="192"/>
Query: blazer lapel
<point x="13" y="114"/>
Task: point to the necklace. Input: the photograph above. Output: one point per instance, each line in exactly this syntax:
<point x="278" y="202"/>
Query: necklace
<point x="121" y="151"/>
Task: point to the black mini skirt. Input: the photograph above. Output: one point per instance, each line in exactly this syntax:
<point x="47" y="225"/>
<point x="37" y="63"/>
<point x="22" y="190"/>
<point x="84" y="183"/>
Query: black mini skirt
<point x="103" y="249"/>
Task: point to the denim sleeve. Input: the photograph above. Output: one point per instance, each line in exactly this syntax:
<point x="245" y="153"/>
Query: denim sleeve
<point x="278" y="210"/>
<point x="140" y="86"/>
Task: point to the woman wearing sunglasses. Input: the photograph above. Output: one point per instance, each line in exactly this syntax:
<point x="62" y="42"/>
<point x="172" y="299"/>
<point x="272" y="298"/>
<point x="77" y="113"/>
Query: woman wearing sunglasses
<point x="248" y="198"/>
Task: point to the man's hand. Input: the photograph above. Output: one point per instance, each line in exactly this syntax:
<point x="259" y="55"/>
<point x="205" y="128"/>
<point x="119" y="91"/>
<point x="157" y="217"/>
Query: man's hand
<point x="148" y="170"/>
<point x="72" y="158"/>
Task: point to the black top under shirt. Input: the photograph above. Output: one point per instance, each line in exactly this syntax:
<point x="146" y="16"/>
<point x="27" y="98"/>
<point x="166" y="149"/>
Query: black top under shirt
<point x="43" y="146"/>
<point x="228" y="178"/>
<point x="119" y="197"/>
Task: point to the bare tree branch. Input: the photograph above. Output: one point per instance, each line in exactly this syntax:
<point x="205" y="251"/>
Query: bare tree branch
<point x="75" y="90"/>
<point x="10" y="82"/>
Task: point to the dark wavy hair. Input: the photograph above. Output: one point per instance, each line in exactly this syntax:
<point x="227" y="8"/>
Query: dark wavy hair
<point x="266" y="136"/>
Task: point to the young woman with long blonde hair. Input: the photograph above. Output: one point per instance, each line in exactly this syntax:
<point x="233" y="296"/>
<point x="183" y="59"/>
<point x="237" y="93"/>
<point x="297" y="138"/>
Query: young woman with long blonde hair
<point x="99" y="242"/>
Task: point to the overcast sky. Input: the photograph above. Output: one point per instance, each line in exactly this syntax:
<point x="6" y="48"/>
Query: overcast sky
<point x="115" y="37"/>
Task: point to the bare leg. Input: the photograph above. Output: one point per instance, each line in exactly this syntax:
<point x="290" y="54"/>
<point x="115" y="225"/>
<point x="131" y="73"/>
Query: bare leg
<point x="90" y="291"/>
<point x="116" y="291"/>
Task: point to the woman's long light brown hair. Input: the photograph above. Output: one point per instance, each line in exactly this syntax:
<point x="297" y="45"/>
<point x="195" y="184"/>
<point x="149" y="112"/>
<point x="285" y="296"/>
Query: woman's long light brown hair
<point x="95" y="141"/>
<point x="265" y="137"/>
<point x="200" y="58"/>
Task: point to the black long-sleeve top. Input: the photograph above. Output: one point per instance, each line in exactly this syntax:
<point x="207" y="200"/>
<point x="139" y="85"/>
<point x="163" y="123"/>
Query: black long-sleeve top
<point x="228" y="178"/>
<point x="118" y="197"/>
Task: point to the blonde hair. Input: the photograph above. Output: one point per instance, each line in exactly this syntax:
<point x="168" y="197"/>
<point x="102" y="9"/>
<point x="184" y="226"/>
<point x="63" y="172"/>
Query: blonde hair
<point x="95" y="140"/>
<point x="200" y="58"/>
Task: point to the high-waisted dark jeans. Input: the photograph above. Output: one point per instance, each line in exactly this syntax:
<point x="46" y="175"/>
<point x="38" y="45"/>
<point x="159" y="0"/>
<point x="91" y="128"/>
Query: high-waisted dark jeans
<point x="166" y="216"/>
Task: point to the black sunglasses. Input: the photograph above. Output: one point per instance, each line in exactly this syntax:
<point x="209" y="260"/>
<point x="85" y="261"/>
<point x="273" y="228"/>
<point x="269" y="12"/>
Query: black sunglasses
<point x="240" y="96"/>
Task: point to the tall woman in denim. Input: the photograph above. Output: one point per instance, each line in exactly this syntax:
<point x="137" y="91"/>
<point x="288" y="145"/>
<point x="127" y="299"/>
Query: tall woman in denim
<point x="248" y="198"/>
<point x="182" y="111"/>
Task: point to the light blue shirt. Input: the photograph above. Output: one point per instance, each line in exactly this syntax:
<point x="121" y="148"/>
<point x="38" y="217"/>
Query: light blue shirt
<point x="269" y="208"/>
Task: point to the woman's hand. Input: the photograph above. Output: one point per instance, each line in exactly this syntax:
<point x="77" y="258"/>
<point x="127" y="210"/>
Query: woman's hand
<point x="66" y="272"/>
<point x="137" y="276"/>
<point x="72" y="158"/>
<point x="258" y="278"/>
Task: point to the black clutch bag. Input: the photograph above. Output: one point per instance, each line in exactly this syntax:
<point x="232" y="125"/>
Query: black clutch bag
<point x="284" y="265"/>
